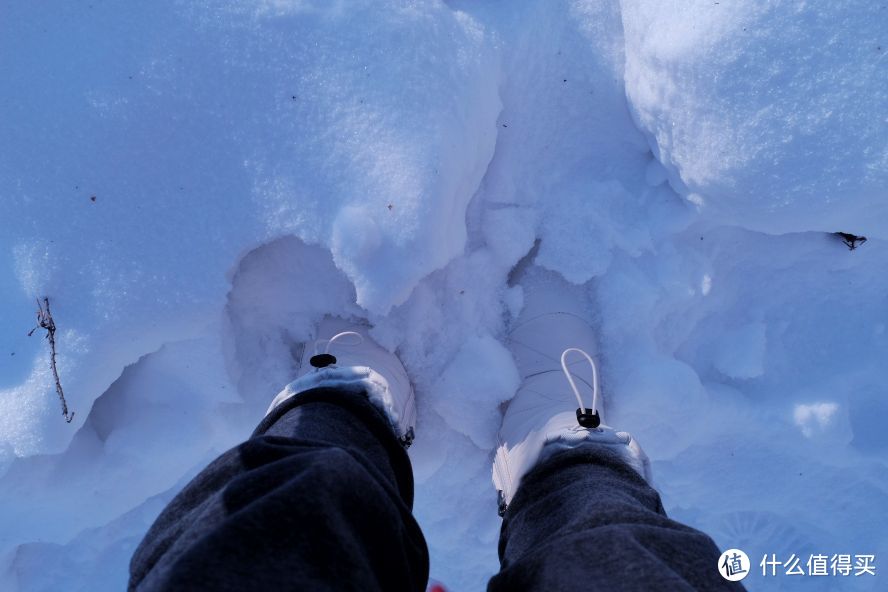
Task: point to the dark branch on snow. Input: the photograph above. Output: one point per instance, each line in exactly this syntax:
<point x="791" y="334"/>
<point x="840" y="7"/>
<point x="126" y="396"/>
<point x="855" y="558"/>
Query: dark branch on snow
<point x="45" y="321"/>
<point x="852" y="241"/>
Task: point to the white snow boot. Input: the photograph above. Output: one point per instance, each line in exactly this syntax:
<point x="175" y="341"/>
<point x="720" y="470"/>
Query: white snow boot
<point x="344" y="356"/>
<point x="551" y="352"/>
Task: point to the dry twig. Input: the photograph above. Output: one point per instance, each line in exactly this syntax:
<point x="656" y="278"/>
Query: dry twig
<point x="45" y="321"/>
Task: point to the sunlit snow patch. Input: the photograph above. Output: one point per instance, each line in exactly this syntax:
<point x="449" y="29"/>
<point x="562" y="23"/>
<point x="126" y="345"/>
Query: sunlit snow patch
<point x="814" y="417"/>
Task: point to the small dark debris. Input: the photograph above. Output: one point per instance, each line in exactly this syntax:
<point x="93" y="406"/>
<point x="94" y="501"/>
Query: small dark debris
<point x="505" y="125"/>
<point x="462" y="292"/>
<point x="701" y="238"/>
<point x="391" y="207"/>
<point x="11" y="353"/>
<point x="293" y="97"/>
<point x="92" y="198"/>
<point x="565" y="80"/>
<point x="852" y="241"/>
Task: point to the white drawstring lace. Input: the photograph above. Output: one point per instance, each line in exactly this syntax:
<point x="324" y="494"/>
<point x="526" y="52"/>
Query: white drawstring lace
<point x="573" y="385"/>
<point x="330" y="341"/>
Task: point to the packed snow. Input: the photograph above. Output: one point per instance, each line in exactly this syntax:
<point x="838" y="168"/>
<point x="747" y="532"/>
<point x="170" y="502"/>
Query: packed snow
<point x="192" y="185"/>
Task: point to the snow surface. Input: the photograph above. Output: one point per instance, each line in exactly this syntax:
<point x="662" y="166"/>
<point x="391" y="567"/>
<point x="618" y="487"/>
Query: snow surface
<point x="193" y="184"/>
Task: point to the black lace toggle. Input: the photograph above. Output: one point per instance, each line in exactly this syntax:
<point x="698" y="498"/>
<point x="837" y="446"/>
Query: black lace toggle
<point x="322" y="360"/>
<point x="588" y="420"/>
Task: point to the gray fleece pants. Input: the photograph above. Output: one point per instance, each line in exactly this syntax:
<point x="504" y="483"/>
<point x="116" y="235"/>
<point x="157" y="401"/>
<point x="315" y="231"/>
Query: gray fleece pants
<point x="320" y="498"/>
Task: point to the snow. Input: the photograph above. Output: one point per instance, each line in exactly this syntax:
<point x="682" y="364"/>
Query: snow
<point x="741" y="352"/>
<point x="816" y="415"/>
<point x="472" y="386"/>
<point x="773" y="111"/>
<point x="193" y="185"/>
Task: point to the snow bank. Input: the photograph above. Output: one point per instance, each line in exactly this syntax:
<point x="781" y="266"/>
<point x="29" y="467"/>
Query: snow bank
<point x="769" y="114"/>
<point x="142" y="164"/>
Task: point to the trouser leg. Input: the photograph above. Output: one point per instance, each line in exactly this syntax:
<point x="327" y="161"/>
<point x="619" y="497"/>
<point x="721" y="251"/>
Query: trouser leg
<point x="583" y="519"/>
<point x="319" y="498"/>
